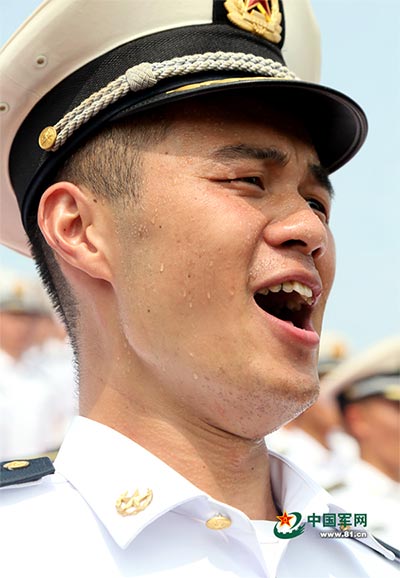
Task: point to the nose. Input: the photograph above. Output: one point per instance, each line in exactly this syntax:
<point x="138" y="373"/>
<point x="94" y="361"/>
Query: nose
<point x="300" y="229"/>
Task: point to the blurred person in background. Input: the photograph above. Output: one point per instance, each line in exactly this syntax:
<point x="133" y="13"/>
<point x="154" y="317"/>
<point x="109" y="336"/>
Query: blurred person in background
<point x="316" y="440"/>
<point x="36" y="372"/>
<point x="367" y="389"/>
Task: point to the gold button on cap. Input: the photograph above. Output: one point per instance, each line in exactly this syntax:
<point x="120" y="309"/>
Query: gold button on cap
<point x="47" y="138"/>
<point x="218" y="522"/>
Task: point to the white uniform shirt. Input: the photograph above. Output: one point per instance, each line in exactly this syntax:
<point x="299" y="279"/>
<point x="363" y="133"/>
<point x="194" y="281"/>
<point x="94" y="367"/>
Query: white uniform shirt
<point x="67" y="524"/>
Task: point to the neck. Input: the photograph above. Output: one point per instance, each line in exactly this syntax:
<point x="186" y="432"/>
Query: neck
<point x="231" y="469"/>
<point x="133" y="398"/>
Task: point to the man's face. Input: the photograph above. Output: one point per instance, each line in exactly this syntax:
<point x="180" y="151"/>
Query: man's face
<point x="17" y="331"/>
<point x="375" y="423"/>
<point x="232" y="205"/>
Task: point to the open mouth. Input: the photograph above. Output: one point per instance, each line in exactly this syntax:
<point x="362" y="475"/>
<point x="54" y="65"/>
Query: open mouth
<point x="290" y="301"/>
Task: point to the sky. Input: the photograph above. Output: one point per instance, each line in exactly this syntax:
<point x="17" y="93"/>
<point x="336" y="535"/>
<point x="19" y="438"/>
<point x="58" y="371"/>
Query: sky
<point x="361" y="57"/>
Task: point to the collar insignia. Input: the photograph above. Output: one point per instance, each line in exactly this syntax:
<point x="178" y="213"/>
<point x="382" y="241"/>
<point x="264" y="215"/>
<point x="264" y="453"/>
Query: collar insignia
<point x="261" y="17"/>
<point x="132" y="505"/>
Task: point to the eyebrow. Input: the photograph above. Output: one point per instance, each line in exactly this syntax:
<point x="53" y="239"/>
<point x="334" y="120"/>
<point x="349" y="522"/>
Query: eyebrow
<point x="242" y="151"/>
<point x="321" y="175"/>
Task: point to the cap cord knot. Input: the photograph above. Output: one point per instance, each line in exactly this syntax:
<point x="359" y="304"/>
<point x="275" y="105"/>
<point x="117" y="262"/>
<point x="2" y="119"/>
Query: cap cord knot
<point x="140" y="77"/>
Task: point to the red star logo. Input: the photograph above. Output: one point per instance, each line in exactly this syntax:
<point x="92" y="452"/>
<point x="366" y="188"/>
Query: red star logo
<point x="285" y="519"/>
<point x="259" y="3"/>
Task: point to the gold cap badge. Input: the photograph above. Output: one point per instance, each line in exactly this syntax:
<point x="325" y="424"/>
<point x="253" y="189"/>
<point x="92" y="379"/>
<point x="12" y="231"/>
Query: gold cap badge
<point x="261" y="17"/>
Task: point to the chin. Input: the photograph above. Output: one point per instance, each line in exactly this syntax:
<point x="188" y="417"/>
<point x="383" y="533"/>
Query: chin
<point x="293" y="399"/>
<point x="269" y="408"/>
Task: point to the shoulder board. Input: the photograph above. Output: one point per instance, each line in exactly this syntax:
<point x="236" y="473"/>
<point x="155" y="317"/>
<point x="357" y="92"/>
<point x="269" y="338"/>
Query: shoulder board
<point x="23" y="471"/>
<point x="389" y="547"/>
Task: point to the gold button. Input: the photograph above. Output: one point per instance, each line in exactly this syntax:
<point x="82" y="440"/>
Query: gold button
<point x="47" y="138"/>
<point x="218" y="522"/>
<point x="16" y="465"/>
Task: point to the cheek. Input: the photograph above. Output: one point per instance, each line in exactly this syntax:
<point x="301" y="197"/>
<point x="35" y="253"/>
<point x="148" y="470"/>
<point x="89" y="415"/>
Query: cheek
<point x="389" y="423"/>
<point x="176" y="261"/>
<point x="330" y="259"/>
<point x="327" y="269"/>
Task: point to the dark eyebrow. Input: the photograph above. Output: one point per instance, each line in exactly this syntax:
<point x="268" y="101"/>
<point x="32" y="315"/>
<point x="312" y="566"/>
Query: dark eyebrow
<point x="243" y="151"/>
<point x="321" y="175"/>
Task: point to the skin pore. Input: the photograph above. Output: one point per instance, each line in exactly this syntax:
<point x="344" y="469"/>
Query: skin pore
<point x="174" y="351"/>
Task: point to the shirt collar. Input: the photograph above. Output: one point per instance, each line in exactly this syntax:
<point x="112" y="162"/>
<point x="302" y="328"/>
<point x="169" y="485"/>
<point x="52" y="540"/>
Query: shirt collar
<point x="102" y="463"/>
<point x="294" y="490"/>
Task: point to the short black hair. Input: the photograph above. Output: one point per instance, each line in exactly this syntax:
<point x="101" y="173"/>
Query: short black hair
<point x="108" y="165"/>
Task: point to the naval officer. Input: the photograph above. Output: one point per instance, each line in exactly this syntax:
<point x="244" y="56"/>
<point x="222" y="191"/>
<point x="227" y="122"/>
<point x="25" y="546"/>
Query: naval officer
<point x="171" y="171"/>
<point x="367" y="390"/>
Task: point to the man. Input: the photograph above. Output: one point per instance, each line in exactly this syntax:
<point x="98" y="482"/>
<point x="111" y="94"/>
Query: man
<point x="178" y="207"/>
<point x="367" y="389"/>
<point x="24" y="310"/>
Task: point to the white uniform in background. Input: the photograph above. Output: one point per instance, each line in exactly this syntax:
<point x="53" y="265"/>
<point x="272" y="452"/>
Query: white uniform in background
<point x="326" y="466"/>
<point x="368" y="388"/>
<point x="37" y="400"/>
<point x="52" y="364"/>
<point x="37" y="392"/>
<point x="366" y="488"/>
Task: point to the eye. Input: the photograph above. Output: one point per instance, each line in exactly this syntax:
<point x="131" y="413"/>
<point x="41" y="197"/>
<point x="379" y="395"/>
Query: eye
<point x="319" y="207"/>
<point x="256" y="181"/>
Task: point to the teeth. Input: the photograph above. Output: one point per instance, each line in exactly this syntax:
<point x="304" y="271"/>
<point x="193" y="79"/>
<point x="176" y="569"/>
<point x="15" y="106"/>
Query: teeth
<point x="303" y="290"/>
<point x="290" y="287"/>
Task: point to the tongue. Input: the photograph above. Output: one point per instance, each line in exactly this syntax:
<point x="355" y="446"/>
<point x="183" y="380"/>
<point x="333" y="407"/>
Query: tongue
<point x="287" y="315"/>
<point x="274" y="305"/>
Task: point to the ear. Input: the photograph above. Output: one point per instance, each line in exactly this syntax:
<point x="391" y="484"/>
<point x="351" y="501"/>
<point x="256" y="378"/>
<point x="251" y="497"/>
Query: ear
<point x="72" y="222"/>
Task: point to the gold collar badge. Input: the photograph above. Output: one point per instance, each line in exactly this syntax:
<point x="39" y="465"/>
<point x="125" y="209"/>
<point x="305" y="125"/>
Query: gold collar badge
<point x="132" y="505"/>
<point x="261" y="17"/>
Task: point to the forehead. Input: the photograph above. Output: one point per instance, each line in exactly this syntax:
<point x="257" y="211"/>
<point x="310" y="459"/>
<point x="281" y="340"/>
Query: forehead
<point x="206" y="126"/>
<point x="238" y="110"/>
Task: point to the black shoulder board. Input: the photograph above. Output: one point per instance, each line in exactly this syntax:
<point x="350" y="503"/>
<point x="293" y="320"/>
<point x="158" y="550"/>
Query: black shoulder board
<point x="22" y="471"/>
<point x="395" y="551"/>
